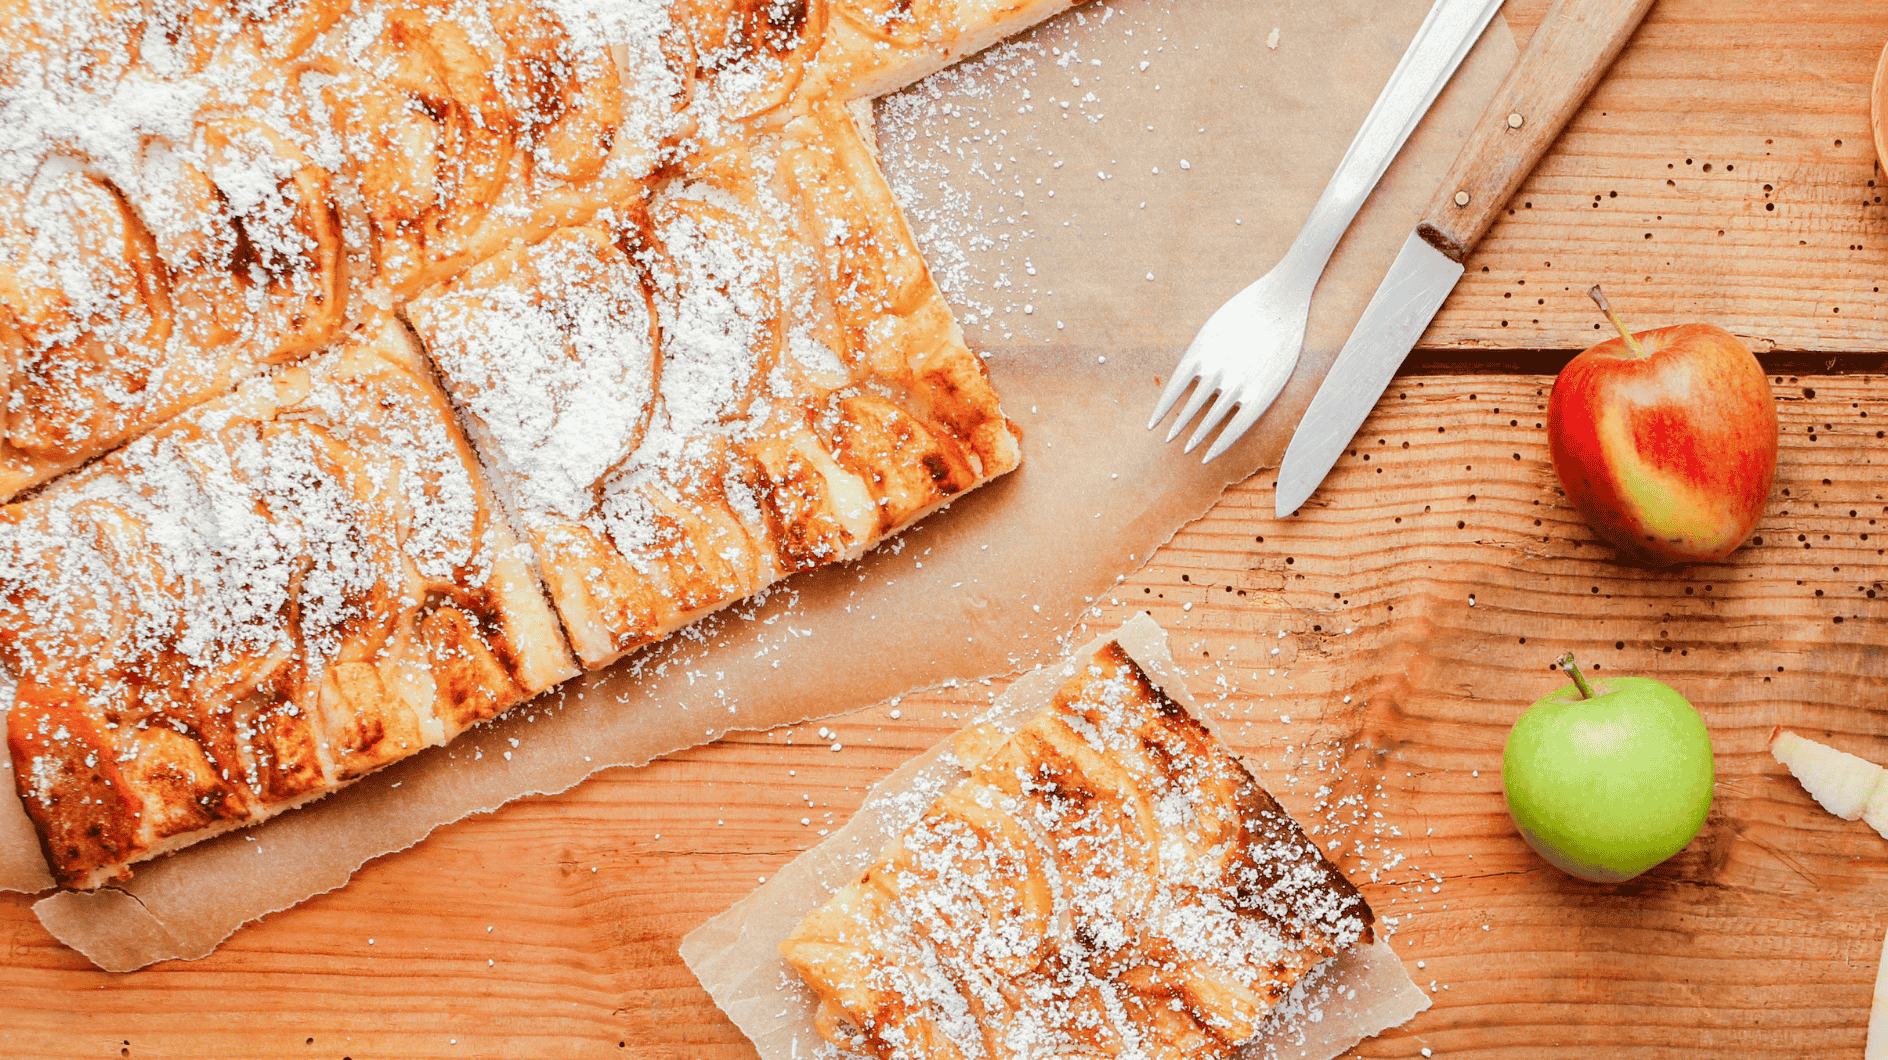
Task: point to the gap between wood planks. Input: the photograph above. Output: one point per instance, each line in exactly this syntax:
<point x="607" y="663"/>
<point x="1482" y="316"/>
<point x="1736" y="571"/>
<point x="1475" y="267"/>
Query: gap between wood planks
<point x="1550" y="362"/>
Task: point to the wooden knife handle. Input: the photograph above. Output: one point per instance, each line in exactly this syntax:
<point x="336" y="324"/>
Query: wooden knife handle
<point x="1567" y="56"/>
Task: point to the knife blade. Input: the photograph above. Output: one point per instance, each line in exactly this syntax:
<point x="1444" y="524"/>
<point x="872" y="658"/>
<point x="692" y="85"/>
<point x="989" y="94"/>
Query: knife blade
<point x="1566" y="57"/>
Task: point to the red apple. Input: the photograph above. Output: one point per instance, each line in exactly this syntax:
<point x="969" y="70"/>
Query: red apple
<point x="1666" y="440"/>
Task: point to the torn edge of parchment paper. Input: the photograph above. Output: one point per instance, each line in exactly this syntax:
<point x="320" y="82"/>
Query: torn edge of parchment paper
<point x="1360" y="992"/>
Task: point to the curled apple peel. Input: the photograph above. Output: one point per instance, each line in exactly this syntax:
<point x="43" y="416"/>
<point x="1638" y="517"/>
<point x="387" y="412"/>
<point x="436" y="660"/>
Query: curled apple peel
<point x="1845" y="785"/>
<point x="1849" y="787"/>
<point x="1877" y="1047"/>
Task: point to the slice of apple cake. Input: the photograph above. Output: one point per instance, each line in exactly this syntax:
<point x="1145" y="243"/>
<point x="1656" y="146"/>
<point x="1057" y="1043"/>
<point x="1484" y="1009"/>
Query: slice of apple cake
<point x="264" y="599"/>
<point x="754" y="375"/>
<point x="1108" y="881"/>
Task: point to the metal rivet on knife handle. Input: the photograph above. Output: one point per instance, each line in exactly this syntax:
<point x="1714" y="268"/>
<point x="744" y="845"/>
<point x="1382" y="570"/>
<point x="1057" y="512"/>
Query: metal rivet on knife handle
<point x="1515" y="121"/>
<point x="1461" y="198"/>
<point x="1568" y="53"/>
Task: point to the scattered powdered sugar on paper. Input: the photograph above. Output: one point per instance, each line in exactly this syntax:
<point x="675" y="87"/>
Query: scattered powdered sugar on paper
<point x="957" y="228"/>
<point x="977" y="154"/>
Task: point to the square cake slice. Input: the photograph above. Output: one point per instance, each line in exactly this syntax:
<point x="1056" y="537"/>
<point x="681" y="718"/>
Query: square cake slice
<point x="752" y="375"/>
<point x="266" y="598"/>
<point x="1108" y="881"/>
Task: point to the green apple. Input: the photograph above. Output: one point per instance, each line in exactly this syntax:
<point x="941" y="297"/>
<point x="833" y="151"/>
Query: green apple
<point x="1607" y="779"/>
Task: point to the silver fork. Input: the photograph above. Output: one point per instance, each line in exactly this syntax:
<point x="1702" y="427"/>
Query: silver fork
<point x="1249" y="346"/>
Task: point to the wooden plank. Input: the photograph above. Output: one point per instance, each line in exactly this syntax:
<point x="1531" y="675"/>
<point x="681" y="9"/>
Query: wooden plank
<point x="1723" y="171"/>
<point x="1421" y="594"/>
<point x="496" y="938"/>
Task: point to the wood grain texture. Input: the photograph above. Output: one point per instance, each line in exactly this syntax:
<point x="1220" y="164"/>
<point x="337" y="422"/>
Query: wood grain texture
<point x="1420" y="595"/>
<point x="1565" y="57"/>
<point x="1430" y="581"/>
<point x="1878" y="105"/>
<point x="1722" y="171"/>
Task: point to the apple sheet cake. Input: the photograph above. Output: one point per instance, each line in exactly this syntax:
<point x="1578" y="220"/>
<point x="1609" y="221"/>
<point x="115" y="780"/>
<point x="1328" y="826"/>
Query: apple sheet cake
<point x="264" y="598"/>
<point x="195" y="192"/>
<point x="813" y="393"/>
<point x="1107" y="881"/>
<point x="341" y="335"/>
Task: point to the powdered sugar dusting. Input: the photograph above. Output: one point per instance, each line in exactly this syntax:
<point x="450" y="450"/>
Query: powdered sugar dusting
<point x="1043" y="906"/>
<point x="257" y="603"/>
<point x="197" y="540"/>
<point x="682" y="368"/>
<point x="958" y="229"/>
<point x="718" y="317"/>
<point x="560" y="371"/>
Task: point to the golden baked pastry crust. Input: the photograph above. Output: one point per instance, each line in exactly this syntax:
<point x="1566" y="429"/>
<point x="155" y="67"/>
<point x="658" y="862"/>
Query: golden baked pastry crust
<point x="808" y="393"/>
<point x="221" y="197"/>
<point x="211" y="213"/>
<point x="266" y="598"/>
<point x="231" y="188"/>
<point x="1107" y="881"/>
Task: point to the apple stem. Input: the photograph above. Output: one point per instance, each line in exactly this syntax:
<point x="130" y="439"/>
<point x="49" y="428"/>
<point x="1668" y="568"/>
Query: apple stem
<point x="1631" y="343"/>
<point x="1579" y="679"/>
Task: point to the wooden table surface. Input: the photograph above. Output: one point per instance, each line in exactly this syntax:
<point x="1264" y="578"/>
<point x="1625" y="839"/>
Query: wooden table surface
<point x="1724" y="172"/>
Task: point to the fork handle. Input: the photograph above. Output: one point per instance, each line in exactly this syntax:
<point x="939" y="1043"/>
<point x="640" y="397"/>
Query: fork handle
<point x="1448" y="32"/>
<point x="1568" y="54"/>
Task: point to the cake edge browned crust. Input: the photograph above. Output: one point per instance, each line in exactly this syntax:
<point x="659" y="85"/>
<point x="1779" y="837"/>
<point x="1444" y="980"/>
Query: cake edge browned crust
<point x="1327" y="913"/>
<point x="1257" y="804"/>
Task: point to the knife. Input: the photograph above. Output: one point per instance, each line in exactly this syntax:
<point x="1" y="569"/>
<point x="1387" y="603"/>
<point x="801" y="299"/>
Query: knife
<point x="1569" y="52"/>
